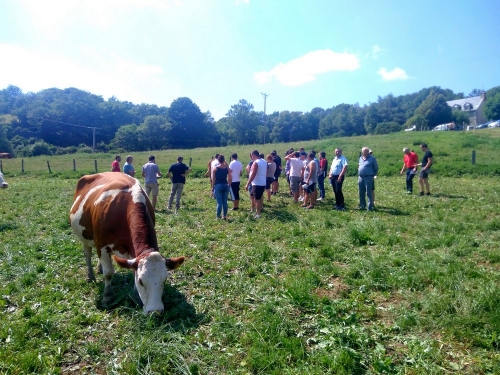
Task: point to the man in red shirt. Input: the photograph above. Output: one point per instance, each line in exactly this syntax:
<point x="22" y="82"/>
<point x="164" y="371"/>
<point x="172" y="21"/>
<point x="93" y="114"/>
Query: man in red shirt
<point x="115" y="165"/>
<point x="410" y="161"/>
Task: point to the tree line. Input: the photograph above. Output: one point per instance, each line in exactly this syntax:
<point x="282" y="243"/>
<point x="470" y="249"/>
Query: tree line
<point x="55" y="121"/>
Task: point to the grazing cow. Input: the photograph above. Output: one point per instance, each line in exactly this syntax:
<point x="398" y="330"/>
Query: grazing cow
<point x="3" y="183"/>
<point x="5" y="155"/>
<point x="112" y="213"/>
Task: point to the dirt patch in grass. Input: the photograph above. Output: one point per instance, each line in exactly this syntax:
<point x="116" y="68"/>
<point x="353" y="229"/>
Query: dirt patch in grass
<point x="336" y="289"/>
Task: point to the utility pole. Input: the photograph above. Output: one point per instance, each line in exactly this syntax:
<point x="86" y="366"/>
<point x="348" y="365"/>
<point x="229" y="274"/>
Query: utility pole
<point x="265" y="97"/>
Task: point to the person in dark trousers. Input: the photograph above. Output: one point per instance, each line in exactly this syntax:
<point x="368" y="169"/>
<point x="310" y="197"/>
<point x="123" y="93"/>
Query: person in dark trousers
<point x="367" y="170"/>
<point x="410" y="161"/>
<point x="337" y="175"/>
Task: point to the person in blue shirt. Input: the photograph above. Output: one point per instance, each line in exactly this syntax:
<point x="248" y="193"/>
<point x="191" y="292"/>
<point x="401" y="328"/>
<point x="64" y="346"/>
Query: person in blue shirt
<point x="128" y="168"/>
<point x="367" y="170"/>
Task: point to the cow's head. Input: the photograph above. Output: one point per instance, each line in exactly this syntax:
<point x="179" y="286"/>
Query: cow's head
<point x="151" y="271"/>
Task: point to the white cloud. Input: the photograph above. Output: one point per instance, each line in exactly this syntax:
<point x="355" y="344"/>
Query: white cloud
<point x="393" y="75"/>
<point x="35" y="71"/>
<point x="305" y="68"/>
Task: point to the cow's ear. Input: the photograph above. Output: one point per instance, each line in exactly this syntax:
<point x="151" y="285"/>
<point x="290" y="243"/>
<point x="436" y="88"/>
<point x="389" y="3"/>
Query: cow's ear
<point x="126" y="263"/>
<point x="173" y="263"/>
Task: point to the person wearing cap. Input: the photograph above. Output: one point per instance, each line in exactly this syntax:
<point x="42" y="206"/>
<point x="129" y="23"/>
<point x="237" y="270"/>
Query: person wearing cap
<point x="367" y="170"/>
<point x="128" y="168"/>
<point x="410" y="161"/>
<point x="177" y="172"/>
<point x="151" y="172"/>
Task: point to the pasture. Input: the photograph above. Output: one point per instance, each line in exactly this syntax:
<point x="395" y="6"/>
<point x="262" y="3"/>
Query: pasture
<point x="411" y="288"/>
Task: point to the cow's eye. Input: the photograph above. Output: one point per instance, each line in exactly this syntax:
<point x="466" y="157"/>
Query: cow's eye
<point x="140" y="282"/>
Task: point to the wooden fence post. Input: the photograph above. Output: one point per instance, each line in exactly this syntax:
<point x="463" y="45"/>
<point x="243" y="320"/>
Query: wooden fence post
<point x="473" y="157"/>
<point x="48" y="165"/>
<point x="22" y="165"/>
<point x="95" y="163"/>
<point x="74" y="165"/>
<point x="190" y="160"/>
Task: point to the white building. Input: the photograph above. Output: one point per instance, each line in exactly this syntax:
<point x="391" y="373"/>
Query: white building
<point x="473" y="106"/>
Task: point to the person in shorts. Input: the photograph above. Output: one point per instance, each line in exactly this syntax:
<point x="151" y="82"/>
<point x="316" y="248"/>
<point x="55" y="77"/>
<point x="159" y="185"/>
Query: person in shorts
<point x="296" y="171"/>
<point x="257" y="181"/>
<point x="423" y="177"/>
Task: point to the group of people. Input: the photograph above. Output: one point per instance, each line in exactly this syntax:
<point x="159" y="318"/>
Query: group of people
<point x="304" y="172"/>
<point x="151" y="172"/>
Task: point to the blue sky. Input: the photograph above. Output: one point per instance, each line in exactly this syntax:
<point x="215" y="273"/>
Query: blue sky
<point x="303" y="54"/>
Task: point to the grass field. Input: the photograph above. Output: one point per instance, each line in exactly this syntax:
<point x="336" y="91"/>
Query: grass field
<point x="411" y="288"/>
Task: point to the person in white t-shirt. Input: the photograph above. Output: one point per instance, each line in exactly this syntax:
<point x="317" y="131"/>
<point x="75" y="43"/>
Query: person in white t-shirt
<point x="236" y="171"/>
<point x="257" y="180"/>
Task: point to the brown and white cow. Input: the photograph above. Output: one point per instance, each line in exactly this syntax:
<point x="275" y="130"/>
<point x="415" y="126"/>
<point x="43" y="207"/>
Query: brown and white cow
<point x="5" y="155"/>
<point x="112" y="213"/>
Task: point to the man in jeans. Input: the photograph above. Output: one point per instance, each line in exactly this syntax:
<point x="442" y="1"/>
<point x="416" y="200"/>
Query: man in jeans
<point x="367" y="170"/>
<point x="410" y="161"/>
<point x="177" y="172"/>
<point x="151" y="172"/>
<point x="337" y="175"/>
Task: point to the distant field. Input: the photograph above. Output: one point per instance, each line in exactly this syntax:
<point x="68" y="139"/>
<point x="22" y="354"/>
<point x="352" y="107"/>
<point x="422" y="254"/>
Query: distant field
<point x="452" y="150"/>
<point x="411" y="288"/>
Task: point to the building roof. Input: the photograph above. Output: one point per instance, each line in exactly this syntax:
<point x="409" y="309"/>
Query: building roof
<point x="475" y="101"/>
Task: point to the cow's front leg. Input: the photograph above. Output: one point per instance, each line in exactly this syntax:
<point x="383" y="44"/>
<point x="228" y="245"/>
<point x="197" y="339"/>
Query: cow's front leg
<point x="87" y="252"/>
<point x="108" y="271"/>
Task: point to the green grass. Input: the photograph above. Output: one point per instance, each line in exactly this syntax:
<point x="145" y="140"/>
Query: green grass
<point x="411" y="288"/>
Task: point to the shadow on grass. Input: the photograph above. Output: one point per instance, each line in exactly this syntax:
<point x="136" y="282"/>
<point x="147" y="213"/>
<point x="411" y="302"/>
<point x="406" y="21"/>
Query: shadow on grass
<point x="449" y="196"/>
<point x="391" y="211"/>
<point x="179" y="314"/>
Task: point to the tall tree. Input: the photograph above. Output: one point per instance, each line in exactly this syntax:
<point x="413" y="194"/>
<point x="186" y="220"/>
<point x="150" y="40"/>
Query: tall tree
<point x="190" y="127"/>
<point x="492" y="107"/>
<point x="154" y="133"/>
<point x="435" y="110"/>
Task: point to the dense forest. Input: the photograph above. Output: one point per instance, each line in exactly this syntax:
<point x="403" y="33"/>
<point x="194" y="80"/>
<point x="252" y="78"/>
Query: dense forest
<point x="55" y="121"/>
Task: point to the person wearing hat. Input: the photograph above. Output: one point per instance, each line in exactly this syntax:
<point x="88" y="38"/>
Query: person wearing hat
<point x="410" y="161"/>
<point x="367" y="170"/>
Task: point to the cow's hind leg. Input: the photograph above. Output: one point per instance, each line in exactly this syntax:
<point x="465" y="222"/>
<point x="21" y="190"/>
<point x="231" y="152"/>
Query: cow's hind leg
<point x="108" y="271"/>
<point x="87" y="252"/>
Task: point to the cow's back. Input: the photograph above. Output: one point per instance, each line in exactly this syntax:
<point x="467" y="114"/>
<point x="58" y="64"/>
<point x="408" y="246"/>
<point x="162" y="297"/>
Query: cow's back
<point x="111" y="209"/>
